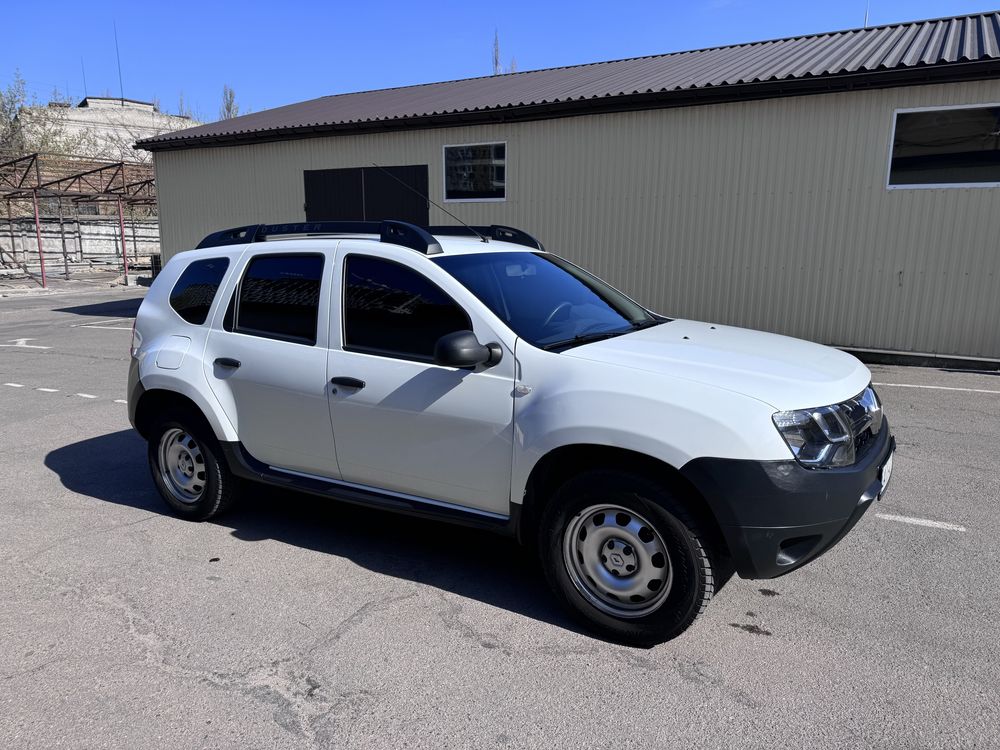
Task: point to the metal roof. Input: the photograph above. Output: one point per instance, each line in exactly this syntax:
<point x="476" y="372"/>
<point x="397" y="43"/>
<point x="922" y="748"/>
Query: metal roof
<point x="896" y="54"/>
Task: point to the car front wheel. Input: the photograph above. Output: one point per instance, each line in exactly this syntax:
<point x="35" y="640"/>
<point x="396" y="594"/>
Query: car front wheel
<point x="625" y="556"/>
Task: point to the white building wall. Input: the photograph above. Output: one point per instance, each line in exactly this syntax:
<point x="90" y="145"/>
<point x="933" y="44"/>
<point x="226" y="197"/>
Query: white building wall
<point x="103" y="128"/>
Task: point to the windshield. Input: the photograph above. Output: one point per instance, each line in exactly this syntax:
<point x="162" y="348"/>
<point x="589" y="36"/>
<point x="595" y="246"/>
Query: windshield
<point x="546" y="300"/>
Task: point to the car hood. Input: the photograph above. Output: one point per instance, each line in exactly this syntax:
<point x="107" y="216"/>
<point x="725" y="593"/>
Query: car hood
<point x="784" y="372"/>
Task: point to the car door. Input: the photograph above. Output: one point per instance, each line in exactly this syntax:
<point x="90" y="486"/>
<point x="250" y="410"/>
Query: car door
<point x="266" y="360"/>
<point x="406" y="424"/>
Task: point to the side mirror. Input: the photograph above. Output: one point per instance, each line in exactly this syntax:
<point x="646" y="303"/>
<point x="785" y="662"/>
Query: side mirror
<point x="462" y="349"/>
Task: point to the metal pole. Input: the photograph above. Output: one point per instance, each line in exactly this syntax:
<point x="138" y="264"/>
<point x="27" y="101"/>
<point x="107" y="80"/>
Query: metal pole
<point x="135" y="241"/>
<point x="38" y="236"/>
<point x="79" y="233"/>
<point x="62" y="236"/>
<point x="23" y="243"/>
<point x="10" y="225"/>
<point x="121" y="228"/>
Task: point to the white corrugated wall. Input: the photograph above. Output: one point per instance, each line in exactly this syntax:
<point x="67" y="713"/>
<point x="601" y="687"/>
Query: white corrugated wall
<point x="770" y="214"/>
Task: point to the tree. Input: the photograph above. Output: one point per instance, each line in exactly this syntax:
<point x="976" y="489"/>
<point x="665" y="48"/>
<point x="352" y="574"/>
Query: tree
<point x="183" y="109"/>
<point x="229" y="108"/>
<point x="497" y="65"/>
<point x="12" y="99"/>
<point x="28" y="126"/>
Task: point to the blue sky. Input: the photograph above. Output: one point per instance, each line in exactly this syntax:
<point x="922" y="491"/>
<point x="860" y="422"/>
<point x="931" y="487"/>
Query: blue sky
<point x="274" y="53"/>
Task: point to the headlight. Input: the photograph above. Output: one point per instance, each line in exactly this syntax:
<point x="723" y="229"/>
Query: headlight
<point x="831" y="436"/>
<point x="820" y="437"/>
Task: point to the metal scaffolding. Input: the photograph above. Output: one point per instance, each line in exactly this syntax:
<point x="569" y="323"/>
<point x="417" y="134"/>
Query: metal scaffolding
<point x="26" y="182"/>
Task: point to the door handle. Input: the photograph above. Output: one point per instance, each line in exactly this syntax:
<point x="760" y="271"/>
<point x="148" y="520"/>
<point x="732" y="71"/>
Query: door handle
<point x="228" y="362"/>
<point x="348" y="382"/>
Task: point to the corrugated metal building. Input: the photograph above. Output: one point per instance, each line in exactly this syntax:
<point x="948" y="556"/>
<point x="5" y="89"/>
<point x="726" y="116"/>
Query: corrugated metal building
<point x="842" y="187"/>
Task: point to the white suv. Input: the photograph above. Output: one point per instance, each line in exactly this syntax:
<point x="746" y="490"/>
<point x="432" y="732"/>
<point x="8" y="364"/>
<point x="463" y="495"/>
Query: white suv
<point x="465" y="374"/>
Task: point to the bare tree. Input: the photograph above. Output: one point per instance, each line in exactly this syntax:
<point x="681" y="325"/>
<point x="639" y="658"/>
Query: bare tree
<point x="498" y="68"/>
<point x="12" y="99"/>
<point x="183" y="109"/>
<point x="28" y="126"/>
<point x="229" y="108"/>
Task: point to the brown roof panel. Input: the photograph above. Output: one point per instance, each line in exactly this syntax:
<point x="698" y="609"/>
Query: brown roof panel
<point x="891" y="49"/>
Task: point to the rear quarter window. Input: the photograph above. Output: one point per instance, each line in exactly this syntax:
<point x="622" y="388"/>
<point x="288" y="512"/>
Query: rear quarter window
<point x="195" y="290"/>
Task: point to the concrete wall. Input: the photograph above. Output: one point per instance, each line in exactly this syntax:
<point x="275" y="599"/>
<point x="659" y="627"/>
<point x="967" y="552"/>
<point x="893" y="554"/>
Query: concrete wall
<point x="94" y="241"/>
<point x="771" y="214"/>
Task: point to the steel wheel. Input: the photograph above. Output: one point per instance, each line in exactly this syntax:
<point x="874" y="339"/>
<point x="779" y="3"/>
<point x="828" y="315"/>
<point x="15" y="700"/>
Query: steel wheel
<point x="617" y="560"/>
<point x="182" y="465"/>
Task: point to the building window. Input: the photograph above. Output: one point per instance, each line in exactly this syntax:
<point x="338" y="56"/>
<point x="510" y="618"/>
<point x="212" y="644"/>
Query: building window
<point x="194" y="291"/>
<point x="946" y="148"/>
<point x="393" y="311"/>
<point x="278" y="298"/>
<point x="475" y="172"/>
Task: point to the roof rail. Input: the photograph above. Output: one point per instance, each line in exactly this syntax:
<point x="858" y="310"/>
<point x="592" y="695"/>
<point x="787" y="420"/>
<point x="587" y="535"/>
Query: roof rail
<point x="493" y="231"/>
<point x="394" y="232"/>
<point x="234" y="236"/>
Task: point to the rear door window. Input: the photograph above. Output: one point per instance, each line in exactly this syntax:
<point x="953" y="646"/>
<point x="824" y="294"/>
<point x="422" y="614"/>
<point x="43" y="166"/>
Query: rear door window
<point x="278" y="298"/>
<point x="195" y="290"/>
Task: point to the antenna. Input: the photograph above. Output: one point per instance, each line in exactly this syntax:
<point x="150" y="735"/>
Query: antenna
<point x="121" y="86"/>
<point x="84" y="69"/>
<point x="868" y="6"/>
<point x="414" y="190"/>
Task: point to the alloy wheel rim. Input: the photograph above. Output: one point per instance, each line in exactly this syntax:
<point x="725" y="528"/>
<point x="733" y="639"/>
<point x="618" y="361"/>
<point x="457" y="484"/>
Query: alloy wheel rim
<point x="182" y="466"/>
<point x="617" y="560"/>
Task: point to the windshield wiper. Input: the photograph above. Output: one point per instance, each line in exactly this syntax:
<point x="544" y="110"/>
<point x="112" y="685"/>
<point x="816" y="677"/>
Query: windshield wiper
<point x="585" y="338"/>
<point x="647" y="324"/>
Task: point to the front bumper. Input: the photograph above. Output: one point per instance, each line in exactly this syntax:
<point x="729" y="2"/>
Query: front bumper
<point x="776" y="516"/>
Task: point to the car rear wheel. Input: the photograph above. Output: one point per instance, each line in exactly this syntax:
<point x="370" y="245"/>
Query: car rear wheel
<point x="188" y="468"/>
<point x="625" y="556"/>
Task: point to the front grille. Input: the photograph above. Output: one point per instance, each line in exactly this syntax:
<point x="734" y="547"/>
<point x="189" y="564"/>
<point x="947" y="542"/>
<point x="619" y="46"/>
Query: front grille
<point x="864" y="414"/>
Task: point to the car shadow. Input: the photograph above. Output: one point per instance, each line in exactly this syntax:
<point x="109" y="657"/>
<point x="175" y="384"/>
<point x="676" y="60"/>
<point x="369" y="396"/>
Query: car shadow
<point x="471" y="563"/>
<point x="119" y="308"/>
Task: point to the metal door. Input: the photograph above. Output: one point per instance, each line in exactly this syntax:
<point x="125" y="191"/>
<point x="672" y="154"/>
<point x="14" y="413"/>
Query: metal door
<point x="368" y="194"/>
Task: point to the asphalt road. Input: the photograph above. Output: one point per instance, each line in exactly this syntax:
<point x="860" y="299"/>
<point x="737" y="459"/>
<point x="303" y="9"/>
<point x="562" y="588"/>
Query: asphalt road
<point x="294" y="622"/>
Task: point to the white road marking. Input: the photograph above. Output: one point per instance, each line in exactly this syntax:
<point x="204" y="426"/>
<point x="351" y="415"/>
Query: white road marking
<point x="48" y="390"/>
<point x="20" y="343"/>
<point x="104" y="324"/>
<point x="14" y="385"/>
<point x="96" y="323"/>
<point x="120" y="401"/>
<point x="921" y="522"/>
<point x="936" y="387"/>
<point x="85" y="395"/>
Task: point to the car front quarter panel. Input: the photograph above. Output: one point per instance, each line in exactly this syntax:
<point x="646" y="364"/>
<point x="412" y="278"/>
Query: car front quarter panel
<point x="564" y="401"/>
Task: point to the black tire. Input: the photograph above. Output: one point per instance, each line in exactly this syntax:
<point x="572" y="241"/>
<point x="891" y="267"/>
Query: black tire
<point x="691" y="581"/>
<point x="218" y="486"/>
